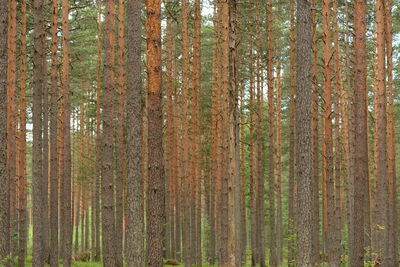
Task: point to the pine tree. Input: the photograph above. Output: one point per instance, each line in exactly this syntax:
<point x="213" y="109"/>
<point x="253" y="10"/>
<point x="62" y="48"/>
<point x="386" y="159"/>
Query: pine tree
<point x="303" y="134"/>
<point x="360" y="137"/>
<point x="66" y="131"/>
<point x="155" y="190"/>
<point x="4" y="196"/>
<point x="381" y="203"/>
<point x="134" y="184"/>
<point x="37" y="179"/>
<point x="53" y="138"/>
<point x="121" y="156"/>
<point x="22" y="207"/>
<point x="107" y="186"/>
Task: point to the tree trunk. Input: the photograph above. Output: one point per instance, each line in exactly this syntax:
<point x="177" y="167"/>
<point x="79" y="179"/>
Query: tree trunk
<point x="53" y="139"/>
<point x="134" y="183"/>
<point x="156" y="190"/>
<point x="4" y="196"/>
<point x="315" y="136"/>
<point x="291" y="209"/>
<point x="196" y="115"/>
<point x="67" y="238"/>
<point x="214" y="154"/>
<point x="22" y="211"/>
<point x="338" y="88"/>
<point x="37" y="174"/>
<point x="169" y="146"/>
<point x="381" y="203"/>
<point x="45" y="151"/>
<point x="11" y="121"/>
<point x="185" y="142"/>
<point x="107" y="192"/>
<point x="279" y="224"/>
<point x="253" y="163"/>
<point x="356" y="255"/>
<point x="303" y="134"/>
<point x="233" y="138"/>
<point x="97" y="249"/>
<point x="271" y="131"/>
<point x="121" y="155"/>
<point x="391" y="136"/>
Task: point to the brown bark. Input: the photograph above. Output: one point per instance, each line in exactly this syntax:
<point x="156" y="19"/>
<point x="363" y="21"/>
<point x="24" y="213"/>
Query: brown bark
<point x="66" y="195"/>
<point x="53" y="139"/>
<point x="121" y="155"/>
<point x="391" y="135"/>
<point x="233" y="139"/>
<point x="185" y="138"/>
<point x="4" y="196"/>
<point x="226" y="250"/>
<point x="315" y="136"/>
<point x="356" y="256"/>
<point x="96" y="249"/>
<point x="271" y="130"/>
<point x="196" y="114"/>
<point x="169" y="146"/>
<point x="37" y="174"/>
<point x="327" y="148"/>
<point x="22" y="179"/>
<point x="134" y="184"/>
<point x="259" y="150"/>
<point x="177" y="170"/>
<point x="291" y="209"/>
<point x="214" y="154"/>
<point x="156" y="190"/>
<point x="243" y="225"/>
<point x="253" y="163"/>
<point x="77" y="216"/>
<point x="303" y="134"/>
<point x="338" y="88"/>
<point x="107" y="186"/>
<point x="381" y="203"/>
<point x="11" y="121"/>
<point x="45" y="151"/>
<point x="279" y="224"/>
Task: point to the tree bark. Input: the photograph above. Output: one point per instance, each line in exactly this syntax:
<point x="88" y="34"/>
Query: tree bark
<point x="22" y="209"/>
<point x="303" y="135"/>
<point x="279" y="224"/>
<point x="121" y="155"/>
<point x="356" y="255"/>
<point x="37" y="174"/>
<point x="315" y="136"/>
<point x="271" y="130"/>
<point x="107" y="192"/>
<point x="53" y="139"/>
<point x="291" y="178"/>
<point x="11" y="121"/>
<point x="156" y="190"/>
<point x="381" y="203"/>
<point x="97" y="249"/>
<point x="134" y="185"/>
<point x="4" y="196"/>
<point x="391" y="136"/>
<point x="66" y="197"/>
